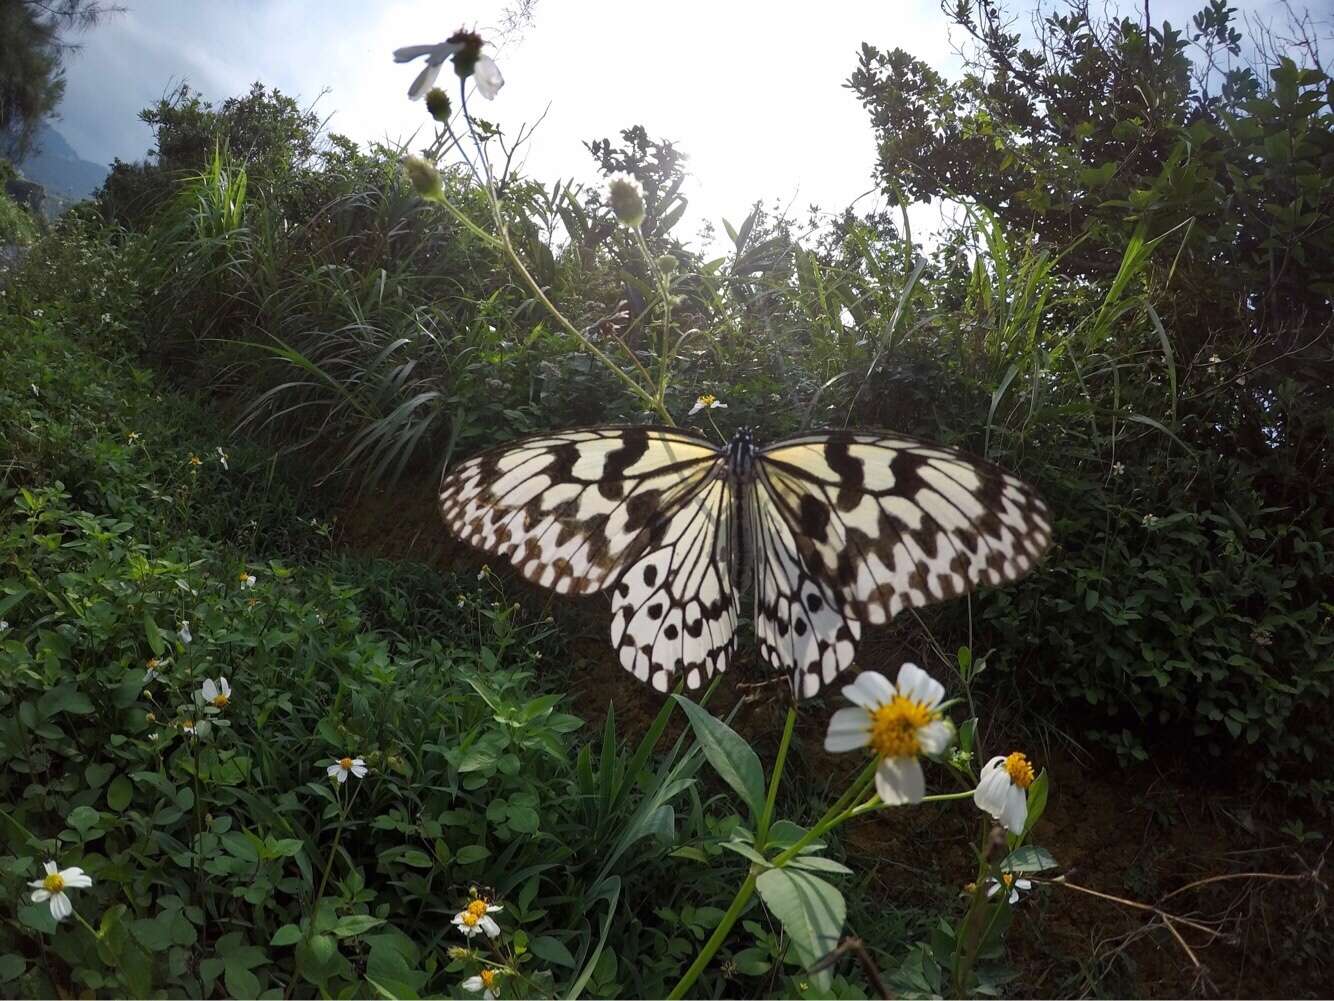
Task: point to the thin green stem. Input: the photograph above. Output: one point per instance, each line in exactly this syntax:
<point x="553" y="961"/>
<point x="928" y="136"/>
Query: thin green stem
<point x="716" y="940"/>
<point x="762" y="828"/>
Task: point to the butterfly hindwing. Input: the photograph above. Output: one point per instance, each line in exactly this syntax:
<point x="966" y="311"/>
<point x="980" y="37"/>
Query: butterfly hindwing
<point x="801" y="628"/>
<point x="674" y="612"/>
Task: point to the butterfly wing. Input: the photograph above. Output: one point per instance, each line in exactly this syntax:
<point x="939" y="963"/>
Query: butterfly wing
<point x="642" y="508"/>
<point x="882" y="521"/>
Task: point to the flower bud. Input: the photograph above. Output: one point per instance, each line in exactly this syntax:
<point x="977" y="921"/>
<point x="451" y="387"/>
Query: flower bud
<point x="437" y="103"/>
<point x="424" y="177"/>
<point x="627" y="200"/>
<point x="667" y="264"/>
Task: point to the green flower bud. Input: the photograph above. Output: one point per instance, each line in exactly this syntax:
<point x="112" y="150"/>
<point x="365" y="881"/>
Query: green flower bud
<point x="424" y="177"/>
<point x="667" y="264"/>
<point x="627" y="200"/>
<point x="437" y="103"/>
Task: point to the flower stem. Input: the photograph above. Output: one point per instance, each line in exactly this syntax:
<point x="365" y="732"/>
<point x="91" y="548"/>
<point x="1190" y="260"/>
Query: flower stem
<point x="762" y="828"/>
<point x="715" y="941"/>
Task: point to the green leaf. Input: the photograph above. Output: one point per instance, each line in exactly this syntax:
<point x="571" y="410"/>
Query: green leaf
<point x="241" y="983"/>
<point x="153" y="633"/>
<point x="11" y="967"/>
<point x="286" y="935"/>
<point x="1037" y="800"/>
<point x="64" y="698"/>
<point x="552" y="950"/>
<point x="469" y="854"/>
<point x="731" y="757"/>
<point x="83" y="819"/>
<point x="356" y="924"/>
<point x="119" y="794"/>
<point x="812" y="913"/>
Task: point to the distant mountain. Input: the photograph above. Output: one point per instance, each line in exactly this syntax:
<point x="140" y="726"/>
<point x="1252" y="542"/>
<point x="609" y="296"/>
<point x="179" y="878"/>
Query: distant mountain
<point x="59" y="169"/>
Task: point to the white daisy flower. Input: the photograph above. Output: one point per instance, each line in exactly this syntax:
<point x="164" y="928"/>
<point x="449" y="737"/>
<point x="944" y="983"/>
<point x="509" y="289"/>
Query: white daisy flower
<point x="215" y="693"/>
<point x="222" y="457"/>
<point x="3" y="625"/>
<point x="465" y="48"/>
<point x="1003" y="790"/>
<point x="1118" y="468"/>
<point x="195" y="728"/>
<point x="53" y="886"/>
<point x="899" y="722"/>
<point x="341" y="768"/>
<point x="476" y="917"/>
<point x="155" y="669"/>
<point x="246" y="580"/>
<point x="706" y="401"/>
<point x="1149" y="520"/>
<point x="486" y="982"/>
<point x="1008" y="881"/>
<point x="184" y="632"/>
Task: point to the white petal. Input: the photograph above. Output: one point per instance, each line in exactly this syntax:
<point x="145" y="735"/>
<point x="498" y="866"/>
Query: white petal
<point x="51" y="869"/>
<point x="61" y="908"/>
<point x="1023" y="884"/>
<point x="1015" y="813"/>
<point x="990" y="792"/>
<point x="410" y="52"/>
<point x="487" y="75"/>
<point x="934" y="737"/>
<point x="488" y="925"/>
<point x="849" y="729"/>
<point x="359" y="761"/>
<point x="916" y="684"/>
<point x="1014" y="896"/>
<point x="342" y="774"/>
<point x="695" y="409"/>
<point x="226" y="688"/>
<point x="424" y="81"/>
<point x="359" y="770"/>
<point x="333" y="769"/>
<point x="993" y="888"/>
<point x="77" y="878"/>
<point x="899" y="781"/>
<point x="39" y="895"/>
<point x="492" y="908"/>
<point x="472" y="984"/>
<point x="870" y="690"/>
<point x="716" y="404"/>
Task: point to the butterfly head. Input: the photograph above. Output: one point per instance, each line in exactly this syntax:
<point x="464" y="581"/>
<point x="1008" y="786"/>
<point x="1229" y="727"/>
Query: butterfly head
<point x="741" y="456"/>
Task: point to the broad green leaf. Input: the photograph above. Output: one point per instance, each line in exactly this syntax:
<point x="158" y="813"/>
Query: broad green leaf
<point x="356" y="924"/>
<point x="286" y="935"/>
<point x="731" y="757"/>
<point x="552" y="950"/>
<point x="812" y="913"/>
<point x="119" y="793"/>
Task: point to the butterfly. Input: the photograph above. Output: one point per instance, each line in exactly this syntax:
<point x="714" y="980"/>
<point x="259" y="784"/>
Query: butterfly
<point x="831" y="529"/>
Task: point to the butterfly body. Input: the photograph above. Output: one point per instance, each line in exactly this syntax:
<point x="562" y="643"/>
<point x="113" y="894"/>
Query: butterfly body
<point x="829" y="529"/>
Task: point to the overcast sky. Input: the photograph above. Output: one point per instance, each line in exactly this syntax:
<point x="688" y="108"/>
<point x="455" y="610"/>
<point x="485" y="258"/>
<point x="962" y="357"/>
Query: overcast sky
<point x="752" y="92"/>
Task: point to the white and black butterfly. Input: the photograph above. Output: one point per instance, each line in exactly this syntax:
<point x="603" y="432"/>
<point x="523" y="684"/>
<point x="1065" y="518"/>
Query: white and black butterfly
<point x="833" y="528"/>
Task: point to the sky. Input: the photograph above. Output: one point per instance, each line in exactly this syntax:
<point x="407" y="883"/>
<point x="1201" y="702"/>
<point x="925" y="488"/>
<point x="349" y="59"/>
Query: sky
<point x="752" y="92"/>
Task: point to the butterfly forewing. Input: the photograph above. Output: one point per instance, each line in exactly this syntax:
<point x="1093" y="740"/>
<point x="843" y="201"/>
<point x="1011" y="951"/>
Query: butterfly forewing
<point x="641" y="508"/>
<point x="887" y="521"/>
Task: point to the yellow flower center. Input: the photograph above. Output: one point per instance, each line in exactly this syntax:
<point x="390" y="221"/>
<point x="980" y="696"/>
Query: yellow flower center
<point x="54" y="883"/>
<point x="345" y="764"/>
<point x="1021" y="772"/>
<point x="707" y="400"/>
<point x="220" y="700"/>
<point x="154" y="663"/>
<point x="1008" y="879"/>
<point x="894" y="727"/>
<point x="477" y="908"/>
<point x="489" y="979"/>
<point x="470" y="919"/>
<point x="196" y="461"/>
